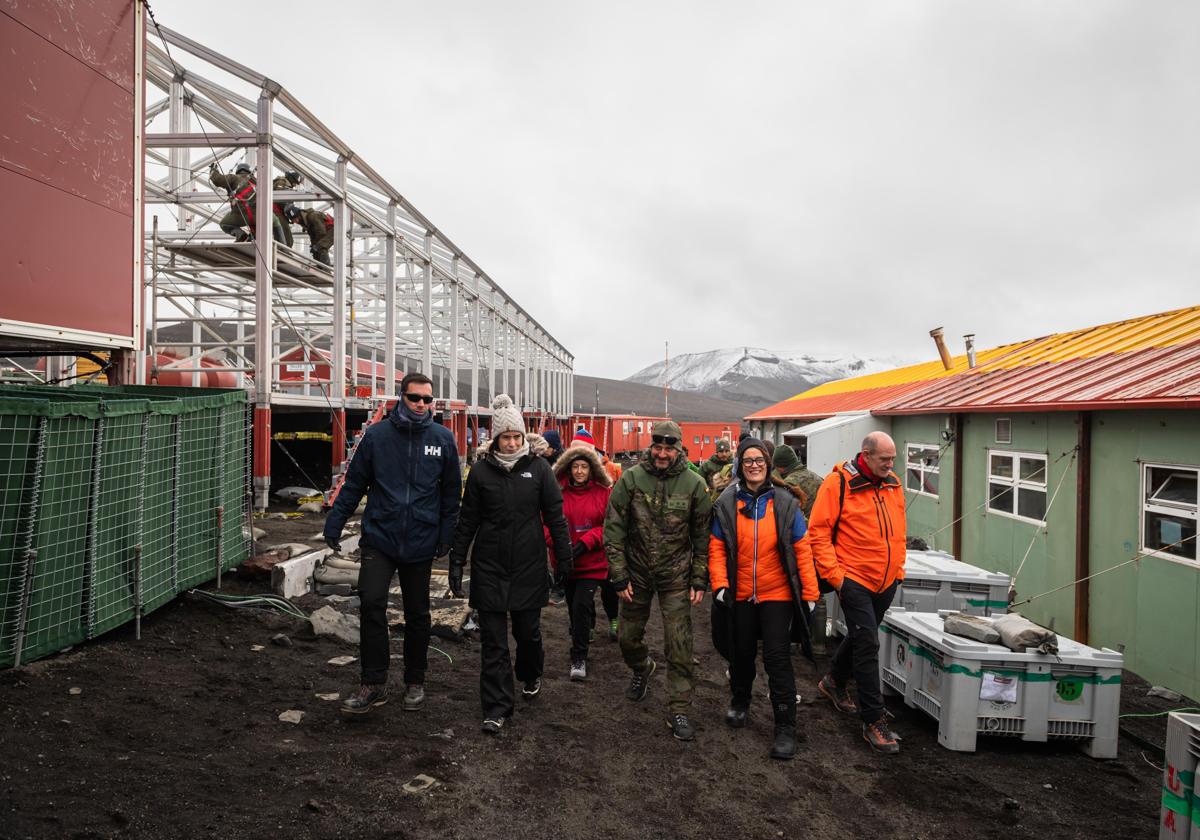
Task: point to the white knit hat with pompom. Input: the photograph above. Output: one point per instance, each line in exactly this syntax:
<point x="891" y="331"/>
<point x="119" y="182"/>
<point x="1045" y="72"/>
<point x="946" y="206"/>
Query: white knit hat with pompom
<point x="505" y="417"/>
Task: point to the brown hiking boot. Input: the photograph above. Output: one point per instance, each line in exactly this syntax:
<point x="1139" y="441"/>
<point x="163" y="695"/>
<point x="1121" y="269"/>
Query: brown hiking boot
<point x="839" y="697"/>
<point x="880" y="737"/>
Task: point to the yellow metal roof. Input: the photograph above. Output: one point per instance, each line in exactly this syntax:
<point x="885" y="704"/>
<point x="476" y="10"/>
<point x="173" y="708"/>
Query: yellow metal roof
<point x="1165" y="329"/>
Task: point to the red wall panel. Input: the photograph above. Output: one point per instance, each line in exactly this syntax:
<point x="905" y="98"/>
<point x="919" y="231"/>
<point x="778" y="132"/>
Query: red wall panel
<point x="98" y="33"/>
<point x="64" y="124"/>
<point x="68" y="265"/>
<point x="67" y="155"/>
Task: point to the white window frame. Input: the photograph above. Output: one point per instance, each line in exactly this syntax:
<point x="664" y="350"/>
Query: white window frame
<point x="1145" y="507"/>
<point x="908" y="448"/>
<point x="1016" y="483"/>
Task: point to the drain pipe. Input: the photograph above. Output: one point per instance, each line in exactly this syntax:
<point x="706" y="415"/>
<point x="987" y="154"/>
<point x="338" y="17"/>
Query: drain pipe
<point x="969" y="339"/>
<point x="936" y="335"/>
<point x="1083" y="528"/>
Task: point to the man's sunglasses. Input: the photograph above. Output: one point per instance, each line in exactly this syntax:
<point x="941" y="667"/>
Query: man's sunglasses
<point x="667" y="440"/>
<point x="415" y="398"/>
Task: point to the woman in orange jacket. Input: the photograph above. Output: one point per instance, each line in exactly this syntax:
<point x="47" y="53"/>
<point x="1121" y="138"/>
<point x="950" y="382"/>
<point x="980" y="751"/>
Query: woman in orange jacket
<point x="757" y="535"/>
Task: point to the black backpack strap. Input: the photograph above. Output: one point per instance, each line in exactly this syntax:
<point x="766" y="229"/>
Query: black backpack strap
<point x="841" y="504"/>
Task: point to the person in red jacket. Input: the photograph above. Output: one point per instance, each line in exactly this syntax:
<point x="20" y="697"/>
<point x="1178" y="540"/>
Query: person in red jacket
<point x="758" y="576"/>
<point x="585" y="488"/>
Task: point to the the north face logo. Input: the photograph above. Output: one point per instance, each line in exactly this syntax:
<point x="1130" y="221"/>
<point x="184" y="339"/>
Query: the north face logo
<point x="526" y="475"/>
<point x="433" y="450"/>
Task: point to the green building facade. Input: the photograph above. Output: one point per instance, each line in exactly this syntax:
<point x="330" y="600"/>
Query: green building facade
<point x="1023" y="513"/>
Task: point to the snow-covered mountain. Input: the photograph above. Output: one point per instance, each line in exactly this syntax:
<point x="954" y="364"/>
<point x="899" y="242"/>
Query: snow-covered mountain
<point x="752" y="375"/>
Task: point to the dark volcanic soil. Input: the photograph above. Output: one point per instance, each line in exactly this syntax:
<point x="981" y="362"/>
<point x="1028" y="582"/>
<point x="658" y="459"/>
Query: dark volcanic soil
<point x="177" y="735"/>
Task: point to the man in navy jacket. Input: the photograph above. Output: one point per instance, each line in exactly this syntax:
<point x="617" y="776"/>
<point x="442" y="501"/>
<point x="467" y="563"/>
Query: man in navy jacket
<point x="409" y="466"/>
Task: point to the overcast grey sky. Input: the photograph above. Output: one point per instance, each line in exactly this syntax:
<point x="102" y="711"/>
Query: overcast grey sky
<point x="816" y="177"/>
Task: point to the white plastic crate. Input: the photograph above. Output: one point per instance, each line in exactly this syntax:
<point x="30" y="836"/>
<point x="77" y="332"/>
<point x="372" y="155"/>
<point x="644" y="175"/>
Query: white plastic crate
<point x="971" y="688"/>
<point x="1179" y="801"/>
<point x="934" y="580"/>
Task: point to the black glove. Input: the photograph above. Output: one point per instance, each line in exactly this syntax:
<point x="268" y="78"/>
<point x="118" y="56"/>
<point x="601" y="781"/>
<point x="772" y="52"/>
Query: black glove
<point x="334" y="543"/>
<point x="456" y="576"/>
<point x="563" y="574"/>
<point x="442" y="550"/>
<point x="578" y="550"/>
<point x="721" y="595"/>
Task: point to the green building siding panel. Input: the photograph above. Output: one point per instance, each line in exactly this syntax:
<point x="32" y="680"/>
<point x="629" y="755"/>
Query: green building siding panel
<point x="1148" y="609"/>
<point x="928" y="517"/>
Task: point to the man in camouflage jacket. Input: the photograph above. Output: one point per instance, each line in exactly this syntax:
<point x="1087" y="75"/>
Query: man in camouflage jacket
<point x="656" y="538"/>
<point x="791" y="473"/>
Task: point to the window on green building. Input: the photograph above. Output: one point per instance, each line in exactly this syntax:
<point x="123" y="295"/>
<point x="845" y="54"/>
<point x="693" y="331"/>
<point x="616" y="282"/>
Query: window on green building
<point x="921" y="471"/>
<point x="1017" y="485"/>
<point x="1169" y="510"/>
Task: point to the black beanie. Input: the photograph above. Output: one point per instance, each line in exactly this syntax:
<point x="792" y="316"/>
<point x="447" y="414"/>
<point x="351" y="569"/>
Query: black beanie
<point x="751" y="443"/>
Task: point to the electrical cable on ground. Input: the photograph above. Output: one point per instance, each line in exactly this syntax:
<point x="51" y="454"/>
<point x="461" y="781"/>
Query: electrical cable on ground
<point x="1158" y="714"/>
<point x="269" y="602"/>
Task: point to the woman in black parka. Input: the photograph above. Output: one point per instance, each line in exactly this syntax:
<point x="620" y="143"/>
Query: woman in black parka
<point x="510" y="494"/>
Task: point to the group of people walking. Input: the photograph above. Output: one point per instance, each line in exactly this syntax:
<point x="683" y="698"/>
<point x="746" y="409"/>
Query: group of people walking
<point x="531" y="517"/>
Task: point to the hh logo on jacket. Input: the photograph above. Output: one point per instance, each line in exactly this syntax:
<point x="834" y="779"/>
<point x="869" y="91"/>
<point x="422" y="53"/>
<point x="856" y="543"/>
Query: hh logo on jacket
<point x="433" y="450"/>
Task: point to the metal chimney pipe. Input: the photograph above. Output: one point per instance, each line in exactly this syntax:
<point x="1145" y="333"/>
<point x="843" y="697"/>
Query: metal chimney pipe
<point x="969" y="339"/>
<point x="936" y="335"/>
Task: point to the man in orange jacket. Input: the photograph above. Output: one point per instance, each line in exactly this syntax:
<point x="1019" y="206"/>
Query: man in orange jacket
<point x="856" y="534"/>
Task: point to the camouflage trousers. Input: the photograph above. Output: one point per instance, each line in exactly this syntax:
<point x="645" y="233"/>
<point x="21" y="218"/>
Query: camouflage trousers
<point x="676" y="611"/>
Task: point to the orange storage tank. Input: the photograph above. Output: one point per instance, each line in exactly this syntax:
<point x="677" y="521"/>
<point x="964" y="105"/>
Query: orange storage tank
<point x="214" y="376"/>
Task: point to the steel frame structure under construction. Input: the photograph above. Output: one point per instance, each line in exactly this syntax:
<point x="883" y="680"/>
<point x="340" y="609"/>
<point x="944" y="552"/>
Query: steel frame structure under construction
<point x="400" y="295"/>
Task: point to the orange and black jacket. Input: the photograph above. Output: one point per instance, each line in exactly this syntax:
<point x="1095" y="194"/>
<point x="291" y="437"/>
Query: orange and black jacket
<point x="857" y="528"/>
<point x="752" y="550"/>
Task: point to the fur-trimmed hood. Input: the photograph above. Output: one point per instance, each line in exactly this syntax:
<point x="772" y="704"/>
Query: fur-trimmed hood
<point x="563" y="464"/>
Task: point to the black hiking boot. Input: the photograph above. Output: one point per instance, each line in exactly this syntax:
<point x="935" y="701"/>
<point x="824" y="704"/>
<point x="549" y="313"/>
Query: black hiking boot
<point x="739" y="712"/>
<point x="363" y="700"/>
<point x="681" y="728"/>
<point x="493" y="725"/>
<point x="784" y="745"/>
<point x="414" y="697"/>
<point x="640" y="683"/>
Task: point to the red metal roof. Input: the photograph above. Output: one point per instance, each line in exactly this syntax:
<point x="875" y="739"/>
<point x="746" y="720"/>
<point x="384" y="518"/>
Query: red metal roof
<point x="827" y="405"/>
<point x="1156" y="377"/>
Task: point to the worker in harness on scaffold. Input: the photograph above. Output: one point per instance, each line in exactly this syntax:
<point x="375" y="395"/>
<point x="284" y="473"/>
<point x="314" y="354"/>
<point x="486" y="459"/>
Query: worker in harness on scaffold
<point x="243" y="202"/>
<point x="319" y="227"/>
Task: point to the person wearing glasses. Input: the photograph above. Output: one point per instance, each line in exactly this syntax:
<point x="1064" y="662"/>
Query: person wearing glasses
<point x="763" y="579"/>
<point x="511" y="496"/>
<point x="857" y="533"/>
<point x="408" y="466"/>
<point x="656" y="539"/>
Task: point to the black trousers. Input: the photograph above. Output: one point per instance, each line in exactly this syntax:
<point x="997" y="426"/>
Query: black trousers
<point x="772" y="622"/>
<point x="496" y="668"/>
<point x="608" y="597"/>
<point x="859" y="651"/>
<point x="581" y="604"/>
<point x="374" y="580"/>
